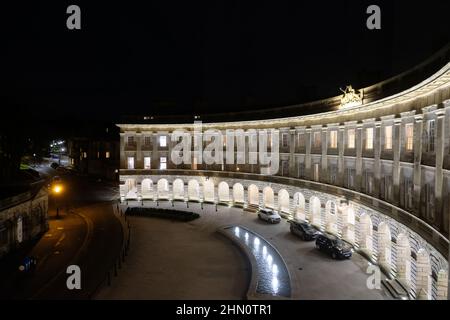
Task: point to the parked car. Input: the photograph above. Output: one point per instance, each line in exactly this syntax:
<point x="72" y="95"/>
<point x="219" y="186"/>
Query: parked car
<point x="335" y="247"/>
<point x="304" y="230"/>
<point x="269" y="215"/>
<point x="54" y="165"/>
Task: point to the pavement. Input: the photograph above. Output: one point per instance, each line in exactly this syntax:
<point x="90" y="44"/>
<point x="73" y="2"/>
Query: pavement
<point x="189" y="260"/>
<point x="87" y="234"/>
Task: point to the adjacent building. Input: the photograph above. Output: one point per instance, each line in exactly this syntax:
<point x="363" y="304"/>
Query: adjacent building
<point x="96" y="153"/>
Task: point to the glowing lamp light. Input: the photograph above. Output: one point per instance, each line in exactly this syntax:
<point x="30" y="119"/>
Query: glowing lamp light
<point x="57" y="189"/>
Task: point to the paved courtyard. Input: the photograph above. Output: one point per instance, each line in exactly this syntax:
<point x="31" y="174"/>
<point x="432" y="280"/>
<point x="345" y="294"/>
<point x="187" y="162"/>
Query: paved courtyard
<point x="178" y="260"/>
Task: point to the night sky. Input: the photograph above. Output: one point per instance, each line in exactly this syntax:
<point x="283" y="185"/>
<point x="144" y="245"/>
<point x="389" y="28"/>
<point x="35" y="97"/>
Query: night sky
<point x="190" y="57"/>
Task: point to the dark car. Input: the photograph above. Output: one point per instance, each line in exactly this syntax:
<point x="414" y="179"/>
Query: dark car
<point x="54" y="165"/>
<point x="335" y="247"/>
<point x="304" y="230"/>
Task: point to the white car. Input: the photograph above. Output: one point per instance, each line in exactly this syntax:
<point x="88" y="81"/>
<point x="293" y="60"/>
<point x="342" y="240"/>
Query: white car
<point x="269" y="215"/>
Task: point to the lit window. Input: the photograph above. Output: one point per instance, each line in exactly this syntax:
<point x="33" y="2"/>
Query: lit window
<point x="316" y="172"/>
<point x="388" y="137"/>
<point x="130" y="162"/>
<point x="300" y="140"/>
<point x="163" y="163"/>
<point x="163" y="141"/>
<point x="351" y="138"/>
<point x="316" y="142"/>
<point x="369" y="138"/>
<point x="85" y="155"/>
<point x="409" y="136"/>
<point x="107" y="155"/>
<point x="147" y="163"/>
<point x="98" y="154"/>
<point x="333" y="139"/>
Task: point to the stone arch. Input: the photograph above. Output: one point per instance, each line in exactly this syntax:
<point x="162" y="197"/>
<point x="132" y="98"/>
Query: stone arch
<point x="193" y="190"/>
<point x="283" y="201"/>
<point x="299" y="206"/>
<point x="208" y="191"/>
<point x="384" y="246"/>
<point x="130" y="189"/>
<point x="365" y="240"/>
<point x="403" y="263"/>
<point x="163" y="189"/>
<point x="147" y="189"/>
<point x="253" y="195"/>
<point x="423" y="276"/>
<point x="178" y="189"/>
<point x="314" y="211"/>
<point x="346" y="222"/>
<point x="238" y="194"/>
<point x="331" y="217"/>
<point x="268" y="198"/>
<point x="223" y="191"/>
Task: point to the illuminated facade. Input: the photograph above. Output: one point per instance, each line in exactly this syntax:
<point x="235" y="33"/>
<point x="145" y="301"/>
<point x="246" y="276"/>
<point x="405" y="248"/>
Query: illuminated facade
<point x="376" y="173"/>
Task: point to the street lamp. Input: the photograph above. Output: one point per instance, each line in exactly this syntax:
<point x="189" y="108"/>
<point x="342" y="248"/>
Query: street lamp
<point x="57" y="190"/>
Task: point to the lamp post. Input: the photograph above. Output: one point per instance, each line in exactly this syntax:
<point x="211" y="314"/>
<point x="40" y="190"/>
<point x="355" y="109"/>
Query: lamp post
<point x="57" y="190"/>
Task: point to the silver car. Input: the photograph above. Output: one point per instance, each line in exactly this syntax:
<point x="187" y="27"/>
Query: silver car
<point x="269" y="215"/>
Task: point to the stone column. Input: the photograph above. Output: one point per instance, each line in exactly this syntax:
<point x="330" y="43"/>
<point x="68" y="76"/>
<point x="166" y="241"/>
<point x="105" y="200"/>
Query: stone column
<point x="308" y="173"/>
<point x="341" y="148"/>
<point x="324" y="159"/>
<point x="418" y="131"/>
<point x="358" y="162"/>
<point x="442" y="290"/>
<point x="376" y="160"/>
<point x="292" y="153"/>
<point x="155" y="152"/>
<point x="396" y="147"/>
<point x="123" y="162"/>
<point x="439" y="172"/>
<point x="139" y="161"/>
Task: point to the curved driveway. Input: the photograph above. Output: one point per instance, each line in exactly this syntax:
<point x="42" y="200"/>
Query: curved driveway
<point x="313" y="274"/>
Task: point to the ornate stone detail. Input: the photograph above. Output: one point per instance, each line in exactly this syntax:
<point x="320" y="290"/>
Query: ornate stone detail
<point x="351" y="97"/>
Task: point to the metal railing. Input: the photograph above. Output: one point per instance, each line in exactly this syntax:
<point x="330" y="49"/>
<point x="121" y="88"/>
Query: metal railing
<point x="117" y="264"/>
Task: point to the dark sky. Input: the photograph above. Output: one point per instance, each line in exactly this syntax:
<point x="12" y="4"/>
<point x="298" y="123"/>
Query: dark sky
<point x="194" y="57"/>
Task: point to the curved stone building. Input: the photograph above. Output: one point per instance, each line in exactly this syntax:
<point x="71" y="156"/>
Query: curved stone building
<point x="371" y="165"/>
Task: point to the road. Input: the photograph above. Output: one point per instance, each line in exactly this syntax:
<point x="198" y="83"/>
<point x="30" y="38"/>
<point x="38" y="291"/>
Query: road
<point x="87" y="234"/>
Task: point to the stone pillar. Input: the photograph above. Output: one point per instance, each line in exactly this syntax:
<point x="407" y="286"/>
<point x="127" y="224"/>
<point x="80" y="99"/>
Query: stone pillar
<point x="292" y="153"/>
<point x="376" y="160"/>
<point x="308" y="173"/>
<point x="358" y="162"/>
<point x="155" y="152"/>
<point x="418" y="131"/>
<point x="324" y="159"/>
<point x="123" y="162"/>
<point x="341" y="148"/>
<point x="439" y="172"/>
<point x="442" y="285"/>
<point x="396" y="147"/>
<point x="139" y="161"/>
